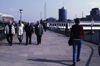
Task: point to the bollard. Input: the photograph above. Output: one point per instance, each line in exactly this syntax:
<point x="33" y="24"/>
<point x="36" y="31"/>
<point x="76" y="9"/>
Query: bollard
<point x="99" y="49"/>
<point x="99" y="44"/>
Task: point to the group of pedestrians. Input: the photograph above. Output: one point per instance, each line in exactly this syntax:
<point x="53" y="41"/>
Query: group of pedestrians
<point x="76" y="34"/>
<point x="10" y="31"/>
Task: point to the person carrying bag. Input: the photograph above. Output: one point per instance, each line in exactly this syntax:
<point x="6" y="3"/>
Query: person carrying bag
<point x="76" y="33"/>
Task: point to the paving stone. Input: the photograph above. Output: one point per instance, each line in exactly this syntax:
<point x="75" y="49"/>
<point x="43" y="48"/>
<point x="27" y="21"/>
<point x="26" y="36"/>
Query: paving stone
<point x="53" y="51"/>
<point x="2" y="63"/>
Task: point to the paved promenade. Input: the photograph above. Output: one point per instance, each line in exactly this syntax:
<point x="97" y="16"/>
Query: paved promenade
<point x="53" y="51"/>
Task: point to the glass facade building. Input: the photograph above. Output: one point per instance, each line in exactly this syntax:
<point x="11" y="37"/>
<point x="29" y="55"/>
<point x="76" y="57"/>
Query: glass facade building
<point x="62" y="14"/>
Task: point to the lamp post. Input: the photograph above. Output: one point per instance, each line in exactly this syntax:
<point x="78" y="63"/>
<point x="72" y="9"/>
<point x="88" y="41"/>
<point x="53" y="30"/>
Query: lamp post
<point x="92" y="23"/>
<point x="20" y="14"/>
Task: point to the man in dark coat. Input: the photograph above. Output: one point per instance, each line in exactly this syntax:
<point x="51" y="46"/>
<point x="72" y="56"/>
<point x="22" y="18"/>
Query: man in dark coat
<point x="44" y="25"/>
<point x="38" y="32"/>
<point x="29" y="32"/>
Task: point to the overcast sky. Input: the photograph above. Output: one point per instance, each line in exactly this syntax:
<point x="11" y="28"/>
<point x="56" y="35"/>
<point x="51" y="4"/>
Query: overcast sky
<point x="33" y="8"/>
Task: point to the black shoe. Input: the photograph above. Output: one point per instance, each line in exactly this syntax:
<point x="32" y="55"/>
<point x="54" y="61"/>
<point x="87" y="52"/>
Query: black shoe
<point x="26" y="44"/>
<point x="37" y="43"/>
<point x="10" y="44"/>
<point x="74" y="64"/>
<point x="78" y="60"/>
<point x="20" y="42"/>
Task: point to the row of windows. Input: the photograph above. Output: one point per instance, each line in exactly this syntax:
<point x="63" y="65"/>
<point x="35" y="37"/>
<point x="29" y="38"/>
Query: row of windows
<point x="70" y="25"/>
<point x="58" y="24"/>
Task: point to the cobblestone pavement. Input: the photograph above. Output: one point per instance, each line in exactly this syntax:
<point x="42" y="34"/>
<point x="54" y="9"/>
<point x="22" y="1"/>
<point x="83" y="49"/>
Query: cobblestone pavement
<point x="53" y="51"/>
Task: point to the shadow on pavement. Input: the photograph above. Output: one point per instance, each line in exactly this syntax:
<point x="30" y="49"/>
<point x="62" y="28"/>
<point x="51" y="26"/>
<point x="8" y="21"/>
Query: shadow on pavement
<point x="52" y="61"/>
<point x="6" y="44"/>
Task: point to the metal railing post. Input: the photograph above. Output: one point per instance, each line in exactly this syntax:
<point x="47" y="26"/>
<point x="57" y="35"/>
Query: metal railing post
<point x="99" y="44"/>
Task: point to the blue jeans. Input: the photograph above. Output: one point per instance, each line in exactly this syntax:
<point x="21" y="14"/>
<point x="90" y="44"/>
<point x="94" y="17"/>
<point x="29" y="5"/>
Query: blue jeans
<point x="76" y="49"/>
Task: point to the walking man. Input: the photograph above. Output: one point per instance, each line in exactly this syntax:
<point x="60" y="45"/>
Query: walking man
<point x="38" y="32"/>
<point x="20" y="29"/>
<point x="44" y="25"/>
<point x="29" y="32"/>
<point x="9" y="31"/>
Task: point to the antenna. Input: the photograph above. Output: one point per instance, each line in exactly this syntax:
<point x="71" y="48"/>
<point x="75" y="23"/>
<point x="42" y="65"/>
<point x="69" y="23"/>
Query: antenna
<point x="75" y="15"/>
<point x="82" y="14"/>
<point x="63" y="4"/>
<point x="41" y="15"/>
<point x="45" y="11"/>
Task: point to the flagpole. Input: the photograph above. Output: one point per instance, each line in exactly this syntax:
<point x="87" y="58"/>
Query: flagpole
<point x="45" y="11"/>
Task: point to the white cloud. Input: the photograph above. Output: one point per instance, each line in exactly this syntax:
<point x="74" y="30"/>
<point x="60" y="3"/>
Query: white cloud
<point x="13" y="9"/>
<point x="93" y="4"/>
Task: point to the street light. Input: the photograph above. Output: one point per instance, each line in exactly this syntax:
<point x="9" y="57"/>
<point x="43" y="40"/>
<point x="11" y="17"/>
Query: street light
<point x="92" y="23"/>
<point x="20" y="14"/>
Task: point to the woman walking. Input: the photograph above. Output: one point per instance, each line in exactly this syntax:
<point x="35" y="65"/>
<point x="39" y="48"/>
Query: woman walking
<point x="76" y="33"/>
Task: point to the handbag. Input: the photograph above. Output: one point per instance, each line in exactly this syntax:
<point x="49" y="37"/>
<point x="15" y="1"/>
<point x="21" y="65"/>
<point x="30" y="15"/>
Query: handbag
<point x="70" y="41"/>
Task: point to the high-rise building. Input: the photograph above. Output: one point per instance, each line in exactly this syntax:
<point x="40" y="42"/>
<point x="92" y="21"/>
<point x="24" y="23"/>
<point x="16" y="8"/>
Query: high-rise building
<point x="62" y="14"/>
<point x="94" y="14"/>
<point x="95" y="11"/>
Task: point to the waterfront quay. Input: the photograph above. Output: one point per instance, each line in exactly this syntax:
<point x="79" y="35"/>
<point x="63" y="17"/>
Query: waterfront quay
<point x="53" y="51"/>
<point x="91" y="33"/>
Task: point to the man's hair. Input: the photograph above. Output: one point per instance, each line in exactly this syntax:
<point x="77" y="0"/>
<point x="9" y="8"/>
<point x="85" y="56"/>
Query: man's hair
<point x="77" y="20"/>
<point x="19" y="20"/>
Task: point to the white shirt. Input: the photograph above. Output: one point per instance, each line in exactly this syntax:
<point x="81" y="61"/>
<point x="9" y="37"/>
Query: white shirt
<point x="20" y="29"/>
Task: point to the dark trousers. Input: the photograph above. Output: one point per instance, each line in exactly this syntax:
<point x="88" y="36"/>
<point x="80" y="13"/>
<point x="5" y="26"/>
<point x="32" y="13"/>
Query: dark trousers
<point x="20" y="37"/>
<point x="28" y="38"/>
<point x="39" y="39"/>
<point x="9" y="38"/>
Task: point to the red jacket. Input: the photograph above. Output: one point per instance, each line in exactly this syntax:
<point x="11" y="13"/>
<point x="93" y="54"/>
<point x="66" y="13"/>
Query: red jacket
<point x="77" y="31"/>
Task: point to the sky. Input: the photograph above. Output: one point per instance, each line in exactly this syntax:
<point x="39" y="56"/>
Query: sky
<point x="32" y="9"/>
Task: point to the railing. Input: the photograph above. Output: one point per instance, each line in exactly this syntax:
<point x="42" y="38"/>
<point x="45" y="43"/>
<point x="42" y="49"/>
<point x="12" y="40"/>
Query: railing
<point x="91" y="35"/>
